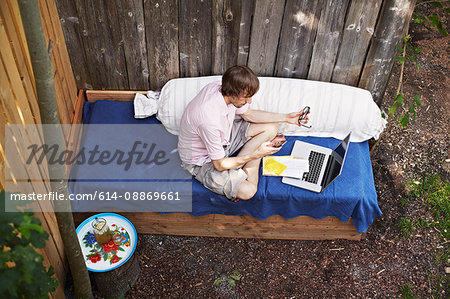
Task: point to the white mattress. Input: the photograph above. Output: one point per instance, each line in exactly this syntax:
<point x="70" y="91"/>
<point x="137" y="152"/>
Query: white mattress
<point x="336" y="109"/>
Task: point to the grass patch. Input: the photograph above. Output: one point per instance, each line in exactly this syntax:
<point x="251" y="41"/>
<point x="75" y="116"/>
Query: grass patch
<point x="435" y="194"/>
<point x="406" y="292"/>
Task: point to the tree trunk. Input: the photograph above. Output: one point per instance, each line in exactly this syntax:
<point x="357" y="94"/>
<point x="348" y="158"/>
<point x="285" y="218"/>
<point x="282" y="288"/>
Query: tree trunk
<point x="43" y="74"/>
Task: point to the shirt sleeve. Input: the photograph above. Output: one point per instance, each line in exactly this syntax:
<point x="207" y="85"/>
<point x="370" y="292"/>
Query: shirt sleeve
<point x="212" y="140"/>
<point x="243" y="109"/>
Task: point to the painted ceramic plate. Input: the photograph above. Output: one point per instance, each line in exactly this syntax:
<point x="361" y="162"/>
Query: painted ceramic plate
<point x="108" y="256"/>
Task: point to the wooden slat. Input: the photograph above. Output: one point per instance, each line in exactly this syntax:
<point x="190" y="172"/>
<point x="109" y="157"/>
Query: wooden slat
<point x="2" y="153"/>
<point x="73" y="30"/>
<point x="247" y="9"/>
<point x="226" y="19"/>
<point x="195" y="38"/>
<point x="115" y="95"/>
<point x="297" y="38"/>
<point x="63" y="74"/>
<point x="66" y="73"/>
<point x="358" y="31"/>
<point x="20" y="52"/>
<point x="61" y="91"/>
<point x="161" y="30"/>
<point x="14" y="7"/>
<point x="264" y="37"/>
<point x="12" y="72"/>
<point x="327" y="40"/>
<point x="76" y="128"/>
<point x="17" y="108"/>
<point x="102" y="43"/>
<point x="390" y="31"/>
<point x="214" y="225"/>
<point x="131" y="15"/>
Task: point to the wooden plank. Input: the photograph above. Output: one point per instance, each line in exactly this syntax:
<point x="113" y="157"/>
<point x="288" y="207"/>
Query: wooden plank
<point x="214" y="225"/>
<point x="195" y="38"/>
<point x="19" y="168"/>
<point x="73" y="30"/>
<point x="297" y="38"/>
<point x="18" y="104"/>
<point x="226" y="19"/>
<point x="103" y="44"/>
<point x="62" y="70"/>
<point x="161" y="30"/>
<point x="76" y="128"/>
<point x="247" y="9"/>
<point x="131" y="15"/>
<point x="2" y="153"/>
<point x="62" y="93"/>
<point x="358" y="31"/>
<point x="14" y="7"/>
<point x="391" y="29"/>
<point x="20" y="52"/>
<point x="12" y="72"/>
<point x="327" y="40"/>
<point x="115" y="95"/>
<point x="65" y="67"/>
<point x="264" y="37"/>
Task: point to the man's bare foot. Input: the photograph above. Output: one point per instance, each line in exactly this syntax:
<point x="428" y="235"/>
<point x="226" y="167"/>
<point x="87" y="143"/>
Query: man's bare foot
<point x="235" y="199"/>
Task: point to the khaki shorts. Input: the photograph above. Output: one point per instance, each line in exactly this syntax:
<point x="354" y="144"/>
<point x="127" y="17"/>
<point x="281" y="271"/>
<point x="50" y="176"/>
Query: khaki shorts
<point x="225" y="182"/>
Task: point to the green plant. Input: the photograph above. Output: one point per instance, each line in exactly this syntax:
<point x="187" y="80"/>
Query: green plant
<point x="434" y="20"/>
<point x="231" y="278"/>
<point x="23" y="274"/>
<point x="435" y="192"/>
<point x="406" y="292"/>
<point x="408" y="53"/>
<point x="407" y="227"/>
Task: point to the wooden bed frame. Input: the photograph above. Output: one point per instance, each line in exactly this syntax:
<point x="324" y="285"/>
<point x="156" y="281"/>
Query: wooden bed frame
<point x="214" y="225"/>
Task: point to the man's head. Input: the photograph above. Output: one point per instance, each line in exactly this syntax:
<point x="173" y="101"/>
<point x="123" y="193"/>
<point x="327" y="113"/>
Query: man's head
<point x="239" y="83"/>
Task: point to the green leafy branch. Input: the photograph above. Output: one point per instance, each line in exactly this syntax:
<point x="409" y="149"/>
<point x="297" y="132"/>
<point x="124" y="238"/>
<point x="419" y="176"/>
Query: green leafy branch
<point x="431" y="21"/>
<point x="21" y="269"/>
<point x="408" y="53"/>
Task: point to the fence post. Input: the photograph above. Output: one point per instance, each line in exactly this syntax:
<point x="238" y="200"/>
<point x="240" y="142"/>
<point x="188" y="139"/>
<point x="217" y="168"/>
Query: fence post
<point x="391" y="28"/>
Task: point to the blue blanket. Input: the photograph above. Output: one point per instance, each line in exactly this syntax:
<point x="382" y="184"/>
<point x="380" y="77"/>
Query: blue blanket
<point x="352" y="194"/>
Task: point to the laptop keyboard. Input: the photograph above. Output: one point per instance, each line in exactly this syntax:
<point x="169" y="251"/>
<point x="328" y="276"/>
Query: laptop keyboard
<point x="315" y="165"/>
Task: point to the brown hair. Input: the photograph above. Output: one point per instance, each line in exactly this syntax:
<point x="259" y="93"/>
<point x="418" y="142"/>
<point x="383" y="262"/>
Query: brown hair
<point x="239" y="80"/>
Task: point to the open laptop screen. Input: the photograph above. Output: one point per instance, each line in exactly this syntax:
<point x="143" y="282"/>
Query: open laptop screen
<point x="337" y="161"/>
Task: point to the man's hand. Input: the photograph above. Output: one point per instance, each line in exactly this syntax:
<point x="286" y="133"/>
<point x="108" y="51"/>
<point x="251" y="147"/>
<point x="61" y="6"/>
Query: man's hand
<point x="263" y="150"/>
<point x="292" y="118"/>
<point x="266" y="149"/>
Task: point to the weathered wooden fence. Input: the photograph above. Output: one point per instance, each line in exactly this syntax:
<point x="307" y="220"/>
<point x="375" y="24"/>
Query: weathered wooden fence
<point x="141" y="44"/>
<point x="18" y="105"/>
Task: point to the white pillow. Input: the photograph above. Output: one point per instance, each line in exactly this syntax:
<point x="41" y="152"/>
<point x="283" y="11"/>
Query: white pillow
<point x="336" y="109"/>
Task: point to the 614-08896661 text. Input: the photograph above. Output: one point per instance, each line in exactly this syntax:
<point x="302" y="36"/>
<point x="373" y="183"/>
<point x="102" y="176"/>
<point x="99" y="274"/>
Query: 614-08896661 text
<point x="135" y="195"/>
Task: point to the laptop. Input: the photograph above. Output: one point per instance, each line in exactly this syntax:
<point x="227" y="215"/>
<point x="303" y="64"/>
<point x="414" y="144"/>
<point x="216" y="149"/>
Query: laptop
<point x="325" y="165"/>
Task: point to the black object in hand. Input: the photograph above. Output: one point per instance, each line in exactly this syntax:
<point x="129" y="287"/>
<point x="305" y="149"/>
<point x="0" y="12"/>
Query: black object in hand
<point x="302" y="116"/>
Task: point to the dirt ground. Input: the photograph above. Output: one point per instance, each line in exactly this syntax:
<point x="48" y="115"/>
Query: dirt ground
<point x="377" y="267"/>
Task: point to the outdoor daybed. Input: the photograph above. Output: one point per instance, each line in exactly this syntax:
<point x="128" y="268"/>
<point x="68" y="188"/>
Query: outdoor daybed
<point x="279" y="211"/>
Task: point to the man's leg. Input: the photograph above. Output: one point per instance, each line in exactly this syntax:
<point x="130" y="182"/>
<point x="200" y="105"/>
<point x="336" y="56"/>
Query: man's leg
<point x="260" y="133"/>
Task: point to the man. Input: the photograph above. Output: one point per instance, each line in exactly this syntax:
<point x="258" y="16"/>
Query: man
<point x="210" y="134"/>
